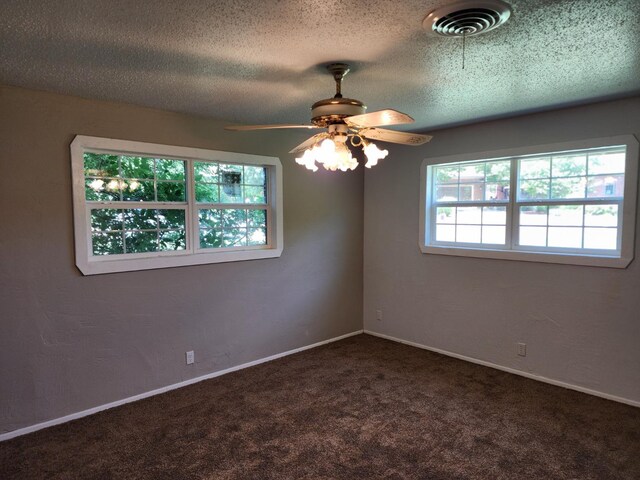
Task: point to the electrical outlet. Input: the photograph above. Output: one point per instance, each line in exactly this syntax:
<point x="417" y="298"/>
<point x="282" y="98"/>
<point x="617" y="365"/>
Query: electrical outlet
<point x="190" y="357"/>
<point x="379" y="315"/>
<point x="522" y="349"/>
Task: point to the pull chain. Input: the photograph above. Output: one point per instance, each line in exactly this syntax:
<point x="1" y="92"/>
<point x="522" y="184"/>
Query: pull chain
<point x="464" y="37"/>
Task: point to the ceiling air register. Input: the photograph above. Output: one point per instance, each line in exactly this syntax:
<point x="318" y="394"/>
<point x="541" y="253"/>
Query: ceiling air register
<point x="467" y="18"/>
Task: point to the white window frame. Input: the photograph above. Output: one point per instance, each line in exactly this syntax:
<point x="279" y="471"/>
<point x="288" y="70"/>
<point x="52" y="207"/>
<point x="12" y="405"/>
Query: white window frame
<point x="90" y="264"/>
<point x="626" y="237"/>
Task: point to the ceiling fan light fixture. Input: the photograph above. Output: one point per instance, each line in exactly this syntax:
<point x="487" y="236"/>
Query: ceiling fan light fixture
<point x="373" y="154"/>
<point x="334" y="154"/>
<point x="308" y="159"/>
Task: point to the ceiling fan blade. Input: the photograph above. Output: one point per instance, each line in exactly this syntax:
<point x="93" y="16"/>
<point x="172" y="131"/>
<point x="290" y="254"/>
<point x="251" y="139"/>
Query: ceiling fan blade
<point x="309" y="142"/>
<point x="266" y="127"/>
<point x="381" y="117"/>
<point x="405" y="138"/>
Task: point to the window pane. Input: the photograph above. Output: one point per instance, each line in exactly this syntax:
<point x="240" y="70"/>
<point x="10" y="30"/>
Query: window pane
<point x="139" y="242"/>
<point x="494" y="235"/>
<point x="210" y="238"/>
<point x="172" y="240"/>
<point x="140" y="219"/>
<point x="136" y="167"/>
<point x="468" y="234"/>
<point x="606" y="163"/>
<point x="565" y="215"/>
<point x="107" y="243"/>
<point x="113" y="186"/>
<point x="445" y="233"/>
<point x="171" y="192"/>
<point x="446" y="174"/>
<point x="205" y="172"/>
<point x="254" y="195"/>
<point x="535" y="168"/>
<point x="471" y="215"/>
<point x="601" y="238"/>
<point x="96" y="191"/>
<point x="207" y="193"/>
<point x="100" y="165"/>
<point x="170" y="169"/>
<point x="209" y="218"/>
<point x="232" y="217"/>
<point x="231" y="179"/>
<point x="565" y="237"/>
<point x="231" y="194"/>
<point x="137" y="190"/>
<point x="234" y="237"/>
<point x="533" y="236"/>
<point x="257" y="236"/>
<point x="257" y="218"/>
<point x="171" y="219"/>
<point x="499" y="172"/>
<point x="225" y="218"/>
<point x="254" y="175"/>
<point x="494" y="215"/>
<point x="534" y="189"/>
<point x="601" y="216"/>
<point x="497" y="191"/>
<point x="471" y="191"/>
<point x="570" y="166"/>
<point x="106" y="219"/>
<point x="568" y="187"/>
<point x="447" y="193"/>
<point x="230" y="173"/>
<point x="533" y="215"/>
<point x="605" y="186"/>
<point x="472" y="173"/>
<point x="446" y="215"/>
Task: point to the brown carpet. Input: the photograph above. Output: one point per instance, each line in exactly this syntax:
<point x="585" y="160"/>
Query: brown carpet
<point x="359" y="408"/>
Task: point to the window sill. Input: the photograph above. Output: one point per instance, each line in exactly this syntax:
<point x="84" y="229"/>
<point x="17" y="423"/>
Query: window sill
<point x="585" y="260"/>
<point x="104" y="265"/>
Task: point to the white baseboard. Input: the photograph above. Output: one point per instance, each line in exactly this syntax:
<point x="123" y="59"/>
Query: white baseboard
<point x="90" y="411"/>
<point x="532" y="376"/>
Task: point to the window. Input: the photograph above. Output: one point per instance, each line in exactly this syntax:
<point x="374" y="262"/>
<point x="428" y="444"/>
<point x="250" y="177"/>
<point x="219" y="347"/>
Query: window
<point x="139" y="205"/>
<point x="564" y="203"/>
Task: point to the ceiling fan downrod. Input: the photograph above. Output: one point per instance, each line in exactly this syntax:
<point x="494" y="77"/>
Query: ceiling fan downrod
<point x="339" y="71"/>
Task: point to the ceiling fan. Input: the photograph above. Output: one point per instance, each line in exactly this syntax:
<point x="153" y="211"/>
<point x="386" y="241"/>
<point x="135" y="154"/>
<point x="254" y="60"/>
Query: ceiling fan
<point x="345" y="121"/>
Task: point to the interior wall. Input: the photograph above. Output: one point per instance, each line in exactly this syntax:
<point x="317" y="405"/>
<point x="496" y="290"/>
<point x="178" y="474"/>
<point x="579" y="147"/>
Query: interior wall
<point x="581" y="324"/>
<point x="70" y="342"/>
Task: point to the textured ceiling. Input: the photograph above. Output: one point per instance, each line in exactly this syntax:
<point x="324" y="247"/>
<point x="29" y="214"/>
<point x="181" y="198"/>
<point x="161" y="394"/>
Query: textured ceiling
<point x="258" y="61"/>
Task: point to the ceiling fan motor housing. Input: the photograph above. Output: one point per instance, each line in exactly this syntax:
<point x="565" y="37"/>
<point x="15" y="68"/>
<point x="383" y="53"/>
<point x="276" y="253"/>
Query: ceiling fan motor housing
<point x="335" y="110"/>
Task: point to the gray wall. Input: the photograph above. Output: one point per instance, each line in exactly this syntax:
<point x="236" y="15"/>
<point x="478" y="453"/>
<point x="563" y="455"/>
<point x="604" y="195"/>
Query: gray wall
<point x="581" y="324"/>
<point x="69" y="342"/>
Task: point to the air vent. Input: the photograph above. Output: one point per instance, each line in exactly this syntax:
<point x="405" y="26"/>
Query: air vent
<point x="467" y="18"/>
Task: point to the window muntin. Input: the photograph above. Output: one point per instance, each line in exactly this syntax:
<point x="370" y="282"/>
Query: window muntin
<point x="139" y="206"/>
<point x="565" y="203"/>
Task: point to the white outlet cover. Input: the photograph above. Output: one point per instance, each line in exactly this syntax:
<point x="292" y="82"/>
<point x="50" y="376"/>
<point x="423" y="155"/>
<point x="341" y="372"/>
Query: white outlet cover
<point x="190" y="357"/>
